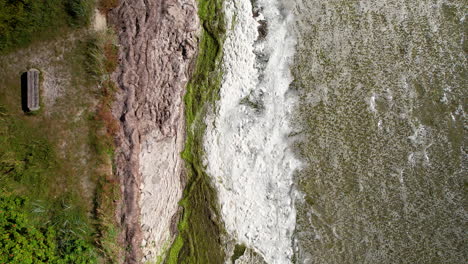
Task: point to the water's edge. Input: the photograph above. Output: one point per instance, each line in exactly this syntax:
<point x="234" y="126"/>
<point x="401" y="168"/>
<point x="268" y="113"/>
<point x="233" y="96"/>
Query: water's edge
<point x="247" y="150"/>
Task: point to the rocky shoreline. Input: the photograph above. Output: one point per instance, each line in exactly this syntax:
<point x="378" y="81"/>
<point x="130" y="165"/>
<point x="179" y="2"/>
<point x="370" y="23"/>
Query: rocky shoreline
<point x="158" y="42"/>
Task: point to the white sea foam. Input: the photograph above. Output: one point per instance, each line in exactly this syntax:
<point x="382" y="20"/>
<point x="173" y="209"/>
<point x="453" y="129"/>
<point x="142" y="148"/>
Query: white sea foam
<point x="246" y="141"/>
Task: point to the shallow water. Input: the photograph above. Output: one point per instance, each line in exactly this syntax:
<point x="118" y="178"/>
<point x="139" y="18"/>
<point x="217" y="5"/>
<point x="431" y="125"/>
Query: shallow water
<point x="382" y="129"/>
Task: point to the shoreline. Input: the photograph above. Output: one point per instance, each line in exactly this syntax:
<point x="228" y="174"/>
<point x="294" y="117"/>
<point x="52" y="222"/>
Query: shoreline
<point x="248" y="155"/>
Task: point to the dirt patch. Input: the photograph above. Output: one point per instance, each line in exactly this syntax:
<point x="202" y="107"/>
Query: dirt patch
<point x="100" y="21"/>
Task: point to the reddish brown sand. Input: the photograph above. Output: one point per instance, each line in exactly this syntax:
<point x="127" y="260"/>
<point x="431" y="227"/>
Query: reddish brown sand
<point x="158" y="42"/>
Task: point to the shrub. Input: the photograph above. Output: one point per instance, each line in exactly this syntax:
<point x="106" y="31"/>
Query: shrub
<point x="94" y="62"/>
<point x="22" y="242"/>
<point x="19" y="241"/>
<point x="111" y="54"/>
<point x="75" y="251"/>
<point x="79" y="12"/>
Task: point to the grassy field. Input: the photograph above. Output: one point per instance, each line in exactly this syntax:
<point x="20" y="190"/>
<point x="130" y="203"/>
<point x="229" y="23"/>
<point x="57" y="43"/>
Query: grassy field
<point x="200" y="228"/>
<point x="56" y="165"/>
<point x="22" y="22"/>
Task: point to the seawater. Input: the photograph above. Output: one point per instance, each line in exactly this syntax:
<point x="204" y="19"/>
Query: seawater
<point x="382" y="118"/>
<point x="340" y="133"/>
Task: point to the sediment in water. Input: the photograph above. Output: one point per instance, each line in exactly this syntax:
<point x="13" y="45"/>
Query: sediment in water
<point x="383" y="129"/>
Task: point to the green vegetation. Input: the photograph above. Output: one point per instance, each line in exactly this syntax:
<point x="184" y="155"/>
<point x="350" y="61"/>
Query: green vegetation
<point x="200" y="227"/>
<point x="21" y="242"/>
<point x="239" y="251"/>
<point x="23" y="21"/>
<point x="23" y="157"/>
<point x="38" y="229"/>
<point x="101" y="61"/>
<point x="56" y="175"/>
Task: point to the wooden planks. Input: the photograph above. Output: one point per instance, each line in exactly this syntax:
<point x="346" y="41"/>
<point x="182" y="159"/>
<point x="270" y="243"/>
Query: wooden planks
<point x="33" y="90"/>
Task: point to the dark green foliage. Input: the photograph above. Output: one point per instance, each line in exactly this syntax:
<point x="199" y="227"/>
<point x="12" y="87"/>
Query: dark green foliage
<point x="239" y="250"/>
<point x="78" y="11"/>
<point x="22" y="242"/>
<point x="23" y="21"/>
<point x="19" y="241"/>
<point x="75" y="251"/>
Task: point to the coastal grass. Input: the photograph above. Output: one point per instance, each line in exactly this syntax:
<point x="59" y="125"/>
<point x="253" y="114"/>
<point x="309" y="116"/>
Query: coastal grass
<point x="101" y="55"/>
<point x="26" y="21"/>
<point x="59" y="160"/>
<point x="25" y="243"/>
<point x="33" y="175"/>
<point x="200" y="228"/>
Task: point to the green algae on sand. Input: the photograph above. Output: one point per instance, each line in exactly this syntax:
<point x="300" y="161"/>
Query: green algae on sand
<point x="200" y="228"/>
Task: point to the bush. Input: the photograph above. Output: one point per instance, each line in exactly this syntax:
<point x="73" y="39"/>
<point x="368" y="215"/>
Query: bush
<point x="22" y="242"/>
<point x="19" y="241"/>
<point x="79" y="12"/>
<point x="75" y="251"/>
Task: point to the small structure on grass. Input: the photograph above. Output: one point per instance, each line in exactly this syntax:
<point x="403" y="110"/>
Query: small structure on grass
<point x="32" y="92"/>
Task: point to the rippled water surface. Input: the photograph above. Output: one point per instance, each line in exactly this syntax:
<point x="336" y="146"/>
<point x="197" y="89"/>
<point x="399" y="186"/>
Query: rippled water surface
<point x="382" y="129"/>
